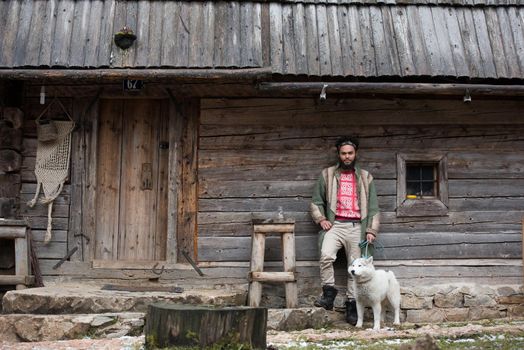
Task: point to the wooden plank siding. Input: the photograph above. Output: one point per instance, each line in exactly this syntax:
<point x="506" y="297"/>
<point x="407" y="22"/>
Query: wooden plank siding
<point x="37" y="216"/>
<point x="256" y="155"/>
<point x="397" y="39"/>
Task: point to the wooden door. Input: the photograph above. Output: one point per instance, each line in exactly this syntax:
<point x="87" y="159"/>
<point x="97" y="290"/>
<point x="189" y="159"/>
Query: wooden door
<point x="132" y="180"/>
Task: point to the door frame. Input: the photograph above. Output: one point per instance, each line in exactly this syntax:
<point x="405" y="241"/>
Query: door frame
<point x="182" y="206"/>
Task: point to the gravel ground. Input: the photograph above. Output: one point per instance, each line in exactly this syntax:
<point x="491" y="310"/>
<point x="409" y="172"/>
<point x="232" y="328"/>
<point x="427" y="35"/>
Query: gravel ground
<point x="340" y="337"/>
<point x="515" y="327"/>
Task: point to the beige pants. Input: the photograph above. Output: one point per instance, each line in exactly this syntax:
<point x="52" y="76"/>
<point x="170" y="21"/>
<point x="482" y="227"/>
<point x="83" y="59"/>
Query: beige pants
<point x="341" y="234"/>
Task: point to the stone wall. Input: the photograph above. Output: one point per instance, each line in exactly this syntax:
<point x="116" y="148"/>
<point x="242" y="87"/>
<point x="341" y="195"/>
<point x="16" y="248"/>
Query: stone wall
<point x="455" y="303"/>
<point x="426" y="304"/>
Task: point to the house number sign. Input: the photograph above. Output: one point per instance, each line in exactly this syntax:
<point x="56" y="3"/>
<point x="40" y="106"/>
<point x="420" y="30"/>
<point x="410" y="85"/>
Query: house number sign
<point x="133" y="85"/>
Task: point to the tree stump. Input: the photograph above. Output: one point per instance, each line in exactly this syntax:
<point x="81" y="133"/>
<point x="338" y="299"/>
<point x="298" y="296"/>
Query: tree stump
<point x="205" y="326"/>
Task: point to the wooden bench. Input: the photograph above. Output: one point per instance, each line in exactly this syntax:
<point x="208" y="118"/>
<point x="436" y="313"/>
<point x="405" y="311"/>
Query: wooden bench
<point x="286" y="229"/>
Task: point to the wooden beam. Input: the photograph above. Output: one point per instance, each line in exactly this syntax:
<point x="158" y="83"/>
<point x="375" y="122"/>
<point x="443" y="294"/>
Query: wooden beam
<point x="175" y="175"/>
<point x="147" y="265"/>
<point x="189" y="112"/>
<point x="377" y="263"/>
<point x="16" y="280"/>
<point x="309" y="89"/>
<point x="167" y="75"/>
<point x="264" y="276"/>
<point x="11" y="232"/>
<point x="275" y="228"/>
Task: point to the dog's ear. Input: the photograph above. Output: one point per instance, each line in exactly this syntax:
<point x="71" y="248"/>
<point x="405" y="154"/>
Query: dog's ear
<point x="352" y="259"/>
<point x="369" y="260"/>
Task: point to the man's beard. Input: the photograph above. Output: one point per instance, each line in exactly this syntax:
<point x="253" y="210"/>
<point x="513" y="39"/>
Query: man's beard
<point x="345" y="166"/>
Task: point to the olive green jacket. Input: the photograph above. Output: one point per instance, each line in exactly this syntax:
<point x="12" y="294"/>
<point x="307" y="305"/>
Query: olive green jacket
<point x="324" y="201"/>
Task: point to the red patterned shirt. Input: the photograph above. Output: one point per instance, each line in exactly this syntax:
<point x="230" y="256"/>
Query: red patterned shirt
<point x="347" y="196"/>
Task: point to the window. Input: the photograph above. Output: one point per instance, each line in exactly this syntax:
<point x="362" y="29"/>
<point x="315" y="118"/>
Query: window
<point x="421" y="180"/>
<point x="422" y="184"/>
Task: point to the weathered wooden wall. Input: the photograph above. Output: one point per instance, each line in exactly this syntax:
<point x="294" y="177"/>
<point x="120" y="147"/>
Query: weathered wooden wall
<point x="257" y="155"/>
<point x="10" y="151"/>
<point x="74" y="219"/>
<point x="49" y="254"/>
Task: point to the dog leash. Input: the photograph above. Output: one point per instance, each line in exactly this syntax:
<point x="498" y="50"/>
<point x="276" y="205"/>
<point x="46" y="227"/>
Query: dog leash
<point x="364" y="244"/>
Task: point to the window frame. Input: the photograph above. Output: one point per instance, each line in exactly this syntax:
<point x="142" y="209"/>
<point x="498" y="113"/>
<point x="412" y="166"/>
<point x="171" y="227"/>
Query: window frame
<point x="436" y="206"/>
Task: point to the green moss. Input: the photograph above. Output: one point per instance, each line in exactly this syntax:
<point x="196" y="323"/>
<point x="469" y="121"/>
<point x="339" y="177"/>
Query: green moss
<point x="151" y="341"/>
<point x="231" y="341"/>
<point x="192" y="337"/>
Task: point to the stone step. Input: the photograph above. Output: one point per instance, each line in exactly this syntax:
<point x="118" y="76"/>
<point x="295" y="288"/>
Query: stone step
<point x="69" y="298"/>
<point x="37" y="328"/>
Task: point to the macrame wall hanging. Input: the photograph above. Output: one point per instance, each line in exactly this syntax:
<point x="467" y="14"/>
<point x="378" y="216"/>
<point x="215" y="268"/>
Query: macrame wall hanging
<point x="52" y="158"/>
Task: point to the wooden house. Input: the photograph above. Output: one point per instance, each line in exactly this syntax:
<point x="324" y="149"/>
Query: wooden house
<point x="216" y="115"/>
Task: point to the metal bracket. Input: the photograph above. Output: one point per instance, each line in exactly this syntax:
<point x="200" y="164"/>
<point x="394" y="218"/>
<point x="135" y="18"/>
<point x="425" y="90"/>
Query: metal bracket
<point x="192" y="262"/>
<point x="82" y="235"/>
<point x="323" y="96"/>
<point x="68" y="255"/>
<point x="156" y="272"/>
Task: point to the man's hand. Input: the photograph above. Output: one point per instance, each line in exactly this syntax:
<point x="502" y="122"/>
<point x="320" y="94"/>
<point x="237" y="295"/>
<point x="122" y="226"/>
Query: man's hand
<point x="370" y="237"/>
<point x="325" y="224"/>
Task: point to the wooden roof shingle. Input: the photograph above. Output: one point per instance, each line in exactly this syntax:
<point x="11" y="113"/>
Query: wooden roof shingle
<point x="312" y="38"/>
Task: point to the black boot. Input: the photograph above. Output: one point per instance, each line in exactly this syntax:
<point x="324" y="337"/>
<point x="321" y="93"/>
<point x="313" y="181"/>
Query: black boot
<point x="328" y="297"/>
<point x="351" y="312"/>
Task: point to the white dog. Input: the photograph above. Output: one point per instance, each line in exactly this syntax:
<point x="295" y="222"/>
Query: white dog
<point x="373" y="288"/>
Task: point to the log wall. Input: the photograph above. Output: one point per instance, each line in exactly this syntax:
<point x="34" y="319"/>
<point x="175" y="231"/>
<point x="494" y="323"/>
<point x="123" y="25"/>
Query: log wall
<point x="49" y="254"/>
<point x="10" y="152"/>
<point x="256" y="155"/>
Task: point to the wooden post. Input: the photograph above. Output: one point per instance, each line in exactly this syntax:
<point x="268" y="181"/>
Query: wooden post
<point x="288" y="257"/>
<point x="258" y="245"/>
<point x="21" y="258"/>
<point x="202" y="326"/>
<point x="188" y="190"/>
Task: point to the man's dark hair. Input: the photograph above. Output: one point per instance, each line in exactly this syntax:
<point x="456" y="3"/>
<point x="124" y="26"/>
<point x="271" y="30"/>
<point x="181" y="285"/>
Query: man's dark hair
<point x="347" y="140"/>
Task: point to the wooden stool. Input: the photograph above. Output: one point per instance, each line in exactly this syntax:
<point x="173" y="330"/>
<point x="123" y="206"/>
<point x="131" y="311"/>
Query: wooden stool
<point x="285" y="228"/>
<point x="17" y="230"/>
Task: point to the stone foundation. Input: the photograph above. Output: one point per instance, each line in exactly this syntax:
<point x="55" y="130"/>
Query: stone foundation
<point x="456" y="303"/>
<point x="424" y="304"/>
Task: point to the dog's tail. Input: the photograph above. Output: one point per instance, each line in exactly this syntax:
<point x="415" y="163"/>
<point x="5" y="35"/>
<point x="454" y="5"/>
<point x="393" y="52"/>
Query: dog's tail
<point x="394" y="289"/>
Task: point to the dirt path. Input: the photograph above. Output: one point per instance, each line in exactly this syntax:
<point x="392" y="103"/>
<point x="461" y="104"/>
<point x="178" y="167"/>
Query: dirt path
<point x="515" y="327"/>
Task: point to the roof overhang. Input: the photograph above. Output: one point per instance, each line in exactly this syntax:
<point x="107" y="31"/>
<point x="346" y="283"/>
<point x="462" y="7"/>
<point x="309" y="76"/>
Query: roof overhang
<point x="157" y="75"/>
<point x="337" y="88"/>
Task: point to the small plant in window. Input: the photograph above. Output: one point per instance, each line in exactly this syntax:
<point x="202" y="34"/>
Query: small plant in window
<point x="421" y="180"/>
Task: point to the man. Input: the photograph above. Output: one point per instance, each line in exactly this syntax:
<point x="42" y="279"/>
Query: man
<point x="345" y="205"/>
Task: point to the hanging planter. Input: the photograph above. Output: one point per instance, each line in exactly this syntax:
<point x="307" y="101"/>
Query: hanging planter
<point x="125" y="38"/>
